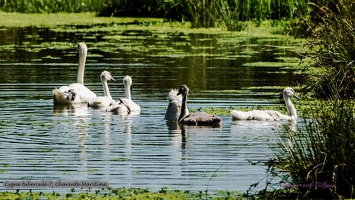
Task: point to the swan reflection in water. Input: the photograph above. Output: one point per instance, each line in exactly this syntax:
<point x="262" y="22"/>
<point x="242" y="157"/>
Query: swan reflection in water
<point x="71" y="110"/>
<point x="73" y="122"/>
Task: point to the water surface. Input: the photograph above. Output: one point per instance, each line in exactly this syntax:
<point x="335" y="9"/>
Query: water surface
<point x="40" y="141"/>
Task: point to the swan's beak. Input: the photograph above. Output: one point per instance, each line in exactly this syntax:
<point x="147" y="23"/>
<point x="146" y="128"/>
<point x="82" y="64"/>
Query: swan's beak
<point x="113" y="79"/>
<point x="296" y="97"/>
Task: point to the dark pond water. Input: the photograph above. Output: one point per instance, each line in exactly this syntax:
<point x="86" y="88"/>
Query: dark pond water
<point x="41" y="142"/>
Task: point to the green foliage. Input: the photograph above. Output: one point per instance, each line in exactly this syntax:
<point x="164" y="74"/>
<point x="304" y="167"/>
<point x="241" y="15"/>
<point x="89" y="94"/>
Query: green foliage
<point x="201" y="13"/>
<point x="331" y="28"/>
<point x="321" y="159"/>
<point x="49" y="6"/>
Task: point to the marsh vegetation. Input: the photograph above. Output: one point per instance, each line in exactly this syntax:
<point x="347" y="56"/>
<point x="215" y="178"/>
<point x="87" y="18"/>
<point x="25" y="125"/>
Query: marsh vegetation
<point x="320" y="160"/>
<point x="206" y="13"/>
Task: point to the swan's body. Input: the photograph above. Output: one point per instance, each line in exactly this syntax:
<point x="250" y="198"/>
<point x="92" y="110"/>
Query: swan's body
<point x="76" y="92"/>
<point x="270" y="115"/>
<point x="125" y="105"/>
<point x="197" y="119"/>
<point x="106" y="100"/>
<point x="174" y="108"/>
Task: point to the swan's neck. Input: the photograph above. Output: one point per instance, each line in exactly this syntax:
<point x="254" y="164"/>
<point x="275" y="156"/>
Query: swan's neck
<point x="291" y="110"/>
<point x="128" y="91"/>
<point x="81" y="69"/>
<point x="106" y="90"/>
<point x="183" y="107"/>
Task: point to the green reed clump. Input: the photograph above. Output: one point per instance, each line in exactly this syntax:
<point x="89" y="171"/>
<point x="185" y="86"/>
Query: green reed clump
<point x="331" y="29"/>
<point x="201" y="13"/>
<point x="321" y="159"/>
<point x="49" y="6"/>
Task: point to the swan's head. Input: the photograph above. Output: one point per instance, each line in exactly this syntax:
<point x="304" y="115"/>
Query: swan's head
<point x="82" y="49"/>
<point x="105" y="75"/>
<point x="127" y="80"/>
<point x="289" y="92"/>
<point x="183" y="90"/>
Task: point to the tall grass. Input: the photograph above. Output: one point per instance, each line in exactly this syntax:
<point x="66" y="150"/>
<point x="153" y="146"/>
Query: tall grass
<point x="321" y="159"/>
<point x="202" y="13"/>
<point x="49" y="6"/>
<point x="331" y="29"/>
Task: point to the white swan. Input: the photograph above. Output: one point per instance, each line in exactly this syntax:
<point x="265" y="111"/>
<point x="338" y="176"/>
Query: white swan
<point x="76" y="92"/>
<point x="197" y="119"/>
<point x="174" y="108"/>
<point x="106" y="100"/>
<point x="125" y="105"/>
<point x="270" y="115"/>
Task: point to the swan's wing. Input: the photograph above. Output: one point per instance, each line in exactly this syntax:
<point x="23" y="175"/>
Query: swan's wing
<point x="251" y="115"/>
<point x="63" y="96"/>
<point x="279" y="116"/>
<point x="101" y="102"/>
<point x="261" y="115"/>
<point x="119" y="109"/>
<point x="131" y="105"/>
<point x="84" y="94"/>
<point x="124" y="107"/>
<point x="201" y="119"/>
<point x="241" y="115"/>
<point x="74" y="93"/>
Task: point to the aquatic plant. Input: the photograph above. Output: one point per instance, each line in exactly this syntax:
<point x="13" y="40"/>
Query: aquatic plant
<point x="320" y="160"/>
<point x="121" y="193"/>
<point x="331" y="32"/>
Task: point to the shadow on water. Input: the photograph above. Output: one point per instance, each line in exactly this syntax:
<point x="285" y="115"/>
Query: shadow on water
<point x="40" y="141"/>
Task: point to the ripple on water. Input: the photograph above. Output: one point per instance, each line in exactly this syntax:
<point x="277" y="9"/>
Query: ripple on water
<point x="131" y="151"/>
<point x="39" y="141"/>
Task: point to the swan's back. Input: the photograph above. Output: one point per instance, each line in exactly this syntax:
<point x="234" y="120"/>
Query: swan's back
<point x="201" y="119"/>
<point x="72" y="94"/>
<point x="261" y="115"/>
